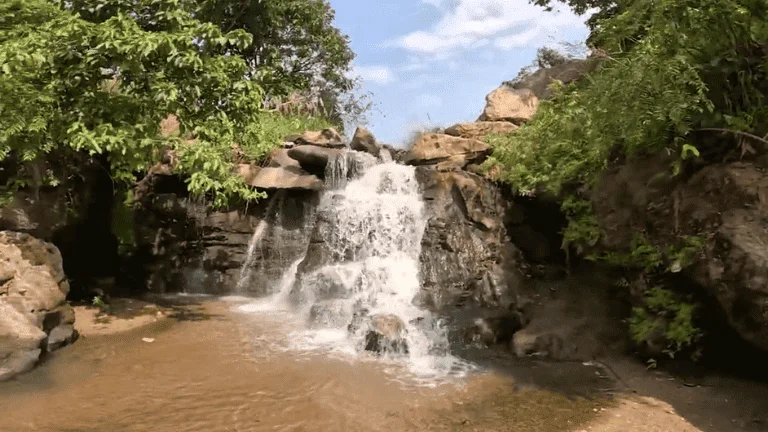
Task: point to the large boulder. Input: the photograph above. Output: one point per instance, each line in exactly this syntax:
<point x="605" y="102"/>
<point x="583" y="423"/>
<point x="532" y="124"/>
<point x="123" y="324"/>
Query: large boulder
<point x="324" y="138"/>
<point x="480" y="130"/>
<point x="725" y="205"/>
<point x="518" y="101"/>
<point x="34" y="316"/>
<point x="313" y="158"/>
<point x="364" y="141"/>
<point x="433" y="148"/>
<point x="509" y="104"/>
<point x="279" y="158"/>
<point x="465" y="255"/>
<point x="279" y="178"/>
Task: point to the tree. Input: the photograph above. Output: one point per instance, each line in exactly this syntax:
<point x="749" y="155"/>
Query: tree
<point x="71" y="87"/>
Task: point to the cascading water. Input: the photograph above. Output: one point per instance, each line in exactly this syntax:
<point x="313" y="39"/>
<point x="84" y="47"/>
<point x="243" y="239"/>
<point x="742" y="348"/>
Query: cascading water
<point x="368" y="269"/>
<point x="258" y="233"/>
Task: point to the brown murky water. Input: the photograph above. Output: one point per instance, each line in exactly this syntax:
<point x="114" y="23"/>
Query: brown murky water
<point x="212" y="369"/>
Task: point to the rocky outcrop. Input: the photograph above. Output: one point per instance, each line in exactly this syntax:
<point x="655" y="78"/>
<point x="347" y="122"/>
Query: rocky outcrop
<point x="364" y="141"/>
<point x="450" y="150"/>
<point x="509" y="104"/>
<point x="34" y="316"/>
<point x="325" y="138"/>
<point x="480" y="130"/>
<point x="466" y="257"/>
<point x="279" y="178"/>
<point x="40" y="214"/>
<point x="184" y="245"/>
<point x="725" y="205"/>
<point x="518" y="101"/>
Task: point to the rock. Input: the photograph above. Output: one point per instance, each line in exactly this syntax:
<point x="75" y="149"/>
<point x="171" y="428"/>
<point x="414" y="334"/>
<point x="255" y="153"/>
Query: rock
<point x="480" y="130"/>
<point x="279" y="178"/>
<point x="183" y="245"/>
<point x="33" y="313"/>
<point x="364" y="141"/>
<point x="61" y="336"/>
<point x="434" y="148"/>
<point x="280" y="158"/>
<point x="518" y="102"/>
<point x="313" y="157"/>
<point x="386" y="334"/>
<point x="508" y="104"/>
<point x="465" y="257"/>
<point x="325" y="138"/>
<point x="39" y="215"/>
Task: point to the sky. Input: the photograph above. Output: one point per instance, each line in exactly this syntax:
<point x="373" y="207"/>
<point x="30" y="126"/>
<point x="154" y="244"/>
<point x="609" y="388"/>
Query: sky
<point x="431" y="62"/>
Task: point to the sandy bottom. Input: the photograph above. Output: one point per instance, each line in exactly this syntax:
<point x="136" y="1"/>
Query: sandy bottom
<point x="198" y="365"/>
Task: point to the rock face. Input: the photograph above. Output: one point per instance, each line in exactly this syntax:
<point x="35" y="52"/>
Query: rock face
<point x="364" y="141"/>
<point x="466" y="258"/>
<point x="480" y="130"/>
<point x="518" y="102"/>
<point x="726" y="205"/>
<point x="279" y="178"/>
<point x="435" y="148"/>
<point x="34" y="316"/>
<point x="183" y="245"/>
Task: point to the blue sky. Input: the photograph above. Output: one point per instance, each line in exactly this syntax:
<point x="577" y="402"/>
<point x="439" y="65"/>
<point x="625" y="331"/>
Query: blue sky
<point x="431" y="62"/>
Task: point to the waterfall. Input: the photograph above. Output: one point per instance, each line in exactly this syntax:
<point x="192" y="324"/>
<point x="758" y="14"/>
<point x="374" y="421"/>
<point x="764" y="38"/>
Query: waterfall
<point x="371" y="243"/>
<point x="258" y="233"/>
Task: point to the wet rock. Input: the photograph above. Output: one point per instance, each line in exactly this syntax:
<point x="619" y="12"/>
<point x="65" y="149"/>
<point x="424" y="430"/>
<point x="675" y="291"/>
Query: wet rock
<point x="465" y="257"/>
<point x="279" y="178"/>
<point x="313" y="158"/>
<point x="386" y="334"/>
<point x="324" y="138"/>
<point x="183" y="245"/>
<point x="434" y="148"/>
<point x="364" y="141"/>
<point x="34" y="315"/>
<point x="480" y="130"/>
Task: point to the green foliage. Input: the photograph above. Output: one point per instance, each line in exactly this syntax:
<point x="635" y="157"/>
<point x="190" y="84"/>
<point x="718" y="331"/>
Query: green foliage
<point x="99" y="303"/>
<point x="665" y="312"/>
<point x="269" y="131"/>
<point x="102" y="86"/>
<point x="582" y="228"/>
<point x="653" y="259"/>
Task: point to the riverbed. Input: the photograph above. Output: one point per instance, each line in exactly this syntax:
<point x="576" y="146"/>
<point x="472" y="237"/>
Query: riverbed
<point x="208" y="364"/>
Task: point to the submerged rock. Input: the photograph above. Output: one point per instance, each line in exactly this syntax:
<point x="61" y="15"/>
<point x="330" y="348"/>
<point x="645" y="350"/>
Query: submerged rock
<point x="386" y="334"/>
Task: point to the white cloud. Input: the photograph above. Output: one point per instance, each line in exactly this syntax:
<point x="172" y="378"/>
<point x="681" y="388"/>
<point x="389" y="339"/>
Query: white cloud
<point x="507" y="24"/>
<point x="428" y="100"/>
<point x="376" y="74"/>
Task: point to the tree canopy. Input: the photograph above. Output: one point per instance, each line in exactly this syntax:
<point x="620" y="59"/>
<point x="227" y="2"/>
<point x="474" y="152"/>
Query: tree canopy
<point x="97" y="77"/>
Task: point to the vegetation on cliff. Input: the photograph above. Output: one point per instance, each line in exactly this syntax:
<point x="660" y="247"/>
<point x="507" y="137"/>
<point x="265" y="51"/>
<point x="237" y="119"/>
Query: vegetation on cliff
<point x="673" y="74"/>
<point x="94" y="79"/>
